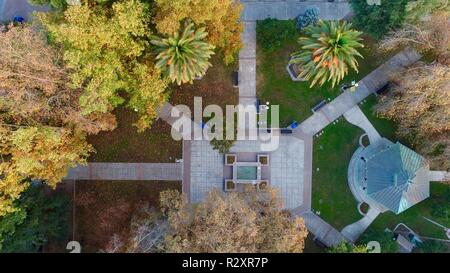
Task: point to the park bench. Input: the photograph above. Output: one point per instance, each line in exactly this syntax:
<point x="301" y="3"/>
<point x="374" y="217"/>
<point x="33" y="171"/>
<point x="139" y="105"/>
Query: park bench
<point x="235" y="78"/>
<point x="383" y="89"/>
<point x="319" y="106"/>
<point x="285" y="131"/>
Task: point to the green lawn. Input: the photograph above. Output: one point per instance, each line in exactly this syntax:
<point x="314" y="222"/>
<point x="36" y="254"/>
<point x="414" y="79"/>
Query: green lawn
<point x="385" y="127"/>
<point x="296" y="98"/>
<point x="333" y="198"/>
<point x="330" y="192"/>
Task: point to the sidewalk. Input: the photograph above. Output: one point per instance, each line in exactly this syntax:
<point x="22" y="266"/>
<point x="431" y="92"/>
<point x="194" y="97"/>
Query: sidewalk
<point x="285" y="10"/>
<point x="11" y="8"/>
<point x="127" y="171"/>
<point x="367" y="86"/>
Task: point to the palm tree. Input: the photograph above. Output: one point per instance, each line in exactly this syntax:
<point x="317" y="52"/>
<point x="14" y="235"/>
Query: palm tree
<point x="327" y="52"/>
<point x="183" y="56"/>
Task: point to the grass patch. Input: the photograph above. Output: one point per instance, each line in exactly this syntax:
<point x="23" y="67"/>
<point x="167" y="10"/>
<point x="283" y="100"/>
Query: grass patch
<point x="384" y="126"/>
<point x="330" y="192"/>
<point x="273" y="33"/>
<point x="125" y="144"/>
<point x="296" y="98"/>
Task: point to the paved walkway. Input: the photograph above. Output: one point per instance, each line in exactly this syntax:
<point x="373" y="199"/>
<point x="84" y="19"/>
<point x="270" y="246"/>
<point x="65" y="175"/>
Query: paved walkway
<point x="356" y="117"/>
<point x="247" y="66"/>
<point x="289" y="9"/>
<point x="370" y="84"/>
<point x="127" y="171"/>
<point x="353" y="231"/>
<point x="322" y="230"/>
<point x="439" y="176"/>
<point x="11" y="8"/>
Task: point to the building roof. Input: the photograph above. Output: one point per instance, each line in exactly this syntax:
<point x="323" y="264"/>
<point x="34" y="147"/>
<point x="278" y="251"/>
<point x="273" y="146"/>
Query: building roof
<point x="397" y="177"/>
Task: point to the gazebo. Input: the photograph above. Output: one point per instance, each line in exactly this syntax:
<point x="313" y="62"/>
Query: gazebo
<point x="392" y="175"/>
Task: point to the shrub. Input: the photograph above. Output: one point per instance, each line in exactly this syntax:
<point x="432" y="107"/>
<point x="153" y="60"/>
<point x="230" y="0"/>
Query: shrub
<point x="430" y="246"/>
<point x="310" y="17"/>
<point x="39" y="218"/>
<point x="377" y="20"/>
<point x="273" y="33"/>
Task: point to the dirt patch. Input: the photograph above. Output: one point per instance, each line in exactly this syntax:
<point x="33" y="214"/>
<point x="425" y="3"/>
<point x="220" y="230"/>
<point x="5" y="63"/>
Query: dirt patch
<point x="216" y="87"/>
<point x="105" y="208"/>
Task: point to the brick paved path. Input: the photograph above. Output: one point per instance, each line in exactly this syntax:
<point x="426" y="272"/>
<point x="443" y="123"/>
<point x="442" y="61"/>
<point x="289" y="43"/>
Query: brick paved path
<point x="128" y="171"/>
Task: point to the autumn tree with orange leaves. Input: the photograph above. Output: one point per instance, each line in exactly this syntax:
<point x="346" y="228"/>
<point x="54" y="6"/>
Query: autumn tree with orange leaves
<point x="245" y="222"/>
<point x="42" y="133"/>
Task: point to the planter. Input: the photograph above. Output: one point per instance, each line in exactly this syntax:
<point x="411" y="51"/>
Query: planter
<point x="230" y="185"/>
<point x="364" y="141"/>
<point x="294" y="71"/>
<point x="363" y="208"/>
<point x="230" y="159"/>
<point x="263" y="160"/>
<point x="263" y="185"/>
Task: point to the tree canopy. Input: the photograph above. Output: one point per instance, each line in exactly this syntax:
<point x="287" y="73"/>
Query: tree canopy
<point x="430" y="37"/>
<point x="237" y="222"/>
<point x="41" y="128"/>
<point x="345" y="247"/>
<point x="327" y="51"/>
<point x="377" y="20"/>
<point x="420" y="103"/>
<point x="418" y="10"/>
<point x="106" y="50"/>
<point x="37" y="219"/>
<point x="419" y="100"/>
<point x="220" y="17"/>
<point x="185" y="55"/>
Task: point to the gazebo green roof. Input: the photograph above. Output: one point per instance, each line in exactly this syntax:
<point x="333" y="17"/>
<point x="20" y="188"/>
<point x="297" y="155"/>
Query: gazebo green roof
<point x="397" y="177"/>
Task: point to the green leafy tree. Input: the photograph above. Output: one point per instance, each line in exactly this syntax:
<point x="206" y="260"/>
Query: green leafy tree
<point x="417" y="10"/>
<point x="327" y="51"/>
<point x="345" y="247"/>
<point x="105" y="47"/>
<point x="184" y="56"/>
<point x="56" y="4"/>
<point x="42" y="132"/>
<point x="38" y="219"/>
<point x="377" y="20"/>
